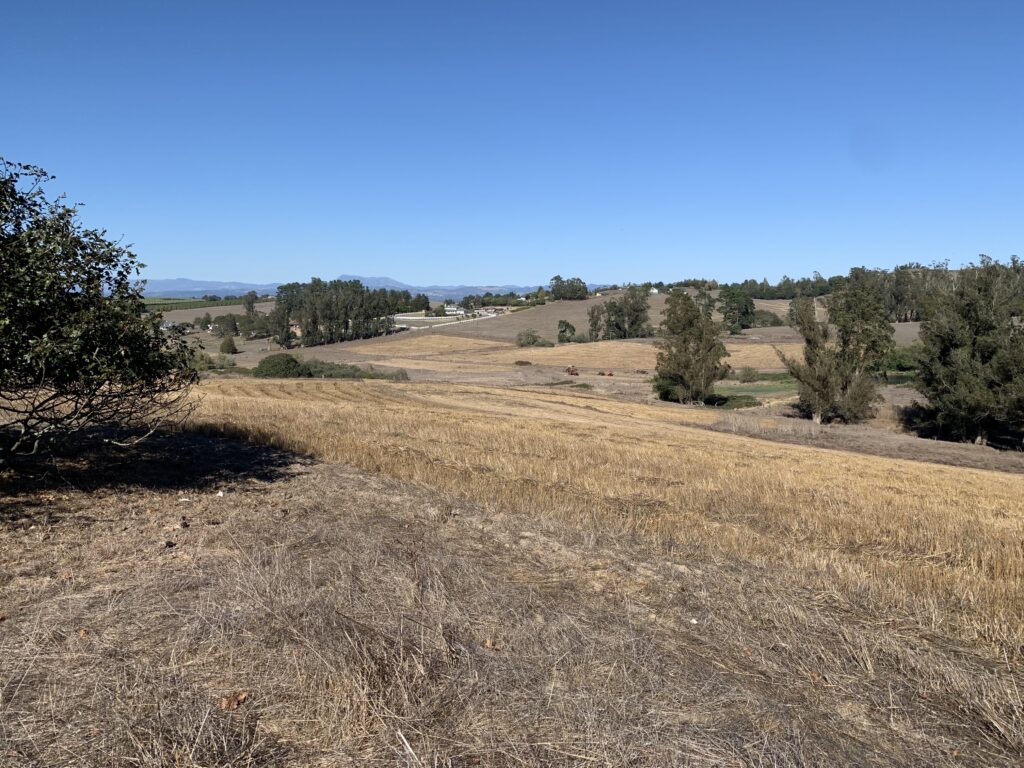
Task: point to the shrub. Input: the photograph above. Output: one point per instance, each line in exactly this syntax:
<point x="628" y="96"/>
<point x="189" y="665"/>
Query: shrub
<point x="321" y="369"/>
<point x="281" y="366"/>
<point x="903" y="358"/>
<point x="762" y="318"/>
<point x="78" y="350"/>
<point x="530" y="338"/>
<point x="201" y="361"/>
<point x="522" y="362"/>
<point x="227" y="346"/>
<point x="566" y="332"/>
<point x="285" y="366"/>
<point x="747" y="375"/>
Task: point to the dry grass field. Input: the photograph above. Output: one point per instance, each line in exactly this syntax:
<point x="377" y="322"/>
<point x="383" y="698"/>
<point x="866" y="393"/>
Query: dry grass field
<point x="505" y="576"/>
<point x="444" y="353"/>
<point x="188" y="315"/>
<point x="544" y="319"/>
<point x="911" y="533"/>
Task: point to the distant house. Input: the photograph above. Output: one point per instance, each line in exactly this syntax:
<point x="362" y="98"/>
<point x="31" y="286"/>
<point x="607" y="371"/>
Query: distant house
<point x="452" y="310"/>
<point x="654" y="290"/>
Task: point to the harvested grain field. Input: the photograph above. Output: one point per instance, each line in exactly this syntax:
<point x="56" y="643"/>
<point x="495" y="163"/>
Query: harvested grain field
<point x="505" y="576"/>
<point x="440" y="352"/>
<point x="555" y="448"/>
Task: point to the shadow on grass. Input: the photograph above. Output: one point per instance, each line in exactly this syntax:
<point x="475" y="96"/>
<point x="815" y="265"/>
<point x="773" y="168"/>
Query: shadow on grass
<point x="923" y="421"/>
<point x="165" y="461"/>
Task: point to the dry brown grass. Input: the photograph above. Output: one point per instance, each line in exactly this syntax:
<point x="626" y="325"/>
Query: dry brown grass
<point x="544" y="319"/>
<point x="526" y="577"/>
<point x="423" y="343"/>
<point x="945" y="544"/>
<point x="442" y="353"/>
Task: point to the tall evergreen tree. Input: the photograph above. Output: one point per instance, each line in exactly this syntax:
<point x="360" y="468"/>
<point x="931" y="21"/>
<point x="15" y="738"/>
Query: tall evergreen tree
<point x="625" y="317"/>
<point x="690" y="357"/>
<point x="737" y="308"/>
<point x="817" y="375"/>
<point x="572" y="289"/>
<point x="837" y="375"/>
<point x="972" y="363"/>
<point x="595" y="322"/>
<point x="249" y="302"/>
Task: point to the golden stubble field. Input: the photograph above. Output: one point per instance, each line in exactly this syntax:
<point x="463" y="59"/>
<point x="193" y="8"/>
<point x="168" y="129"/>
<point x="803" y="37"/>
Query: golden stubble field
<point x="944" y="545"/>
<point x="318" y="572"/>
<point x="440" y="352"/>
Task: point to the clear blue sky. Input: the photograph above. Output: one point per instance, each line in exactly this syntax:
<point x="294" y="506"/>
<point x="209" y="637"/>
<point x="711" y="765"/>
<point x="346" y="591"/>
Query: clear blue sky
<point x="485" y="142"/>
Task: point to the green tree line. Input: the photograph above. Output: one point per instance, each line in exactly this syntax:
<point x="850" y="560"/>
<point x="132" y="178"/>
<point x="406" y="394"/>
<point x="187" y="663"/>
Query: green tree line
<point x="327" y="311"/>
<point x="969" y="363"/>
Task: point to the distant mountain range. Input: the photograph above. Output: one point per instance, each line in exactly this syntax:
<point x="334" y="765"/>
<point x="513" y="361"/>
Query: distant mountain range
<point x="181" y="287"/>
<point x="438" y="292"/>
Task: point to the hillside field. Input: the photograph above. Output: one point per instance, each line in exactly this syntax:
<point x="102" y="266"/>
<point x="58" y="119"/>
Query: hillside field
<point x="430" y="573"/>
<point x="544" y="318"/>
<point x="498" y="563"/>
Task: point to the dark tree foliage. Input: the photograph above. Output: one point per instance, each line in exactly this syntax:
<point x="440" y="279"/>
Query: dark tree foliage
<point x="281" y="366"/>
<point x="737" y="308"/>
<point x="227" y="346"/>
<point x="971" y="367"/>
<point x="249" y="303"/>
<point x="224" y="325"/>
<point x="473" y="301"/>
<point x="530" y="338"/>
<point x="696" y="282"/>
<point x="77" y="350"/>
<point x="837" y="377"/>
<point x="817" y="374"/>
<point x="904" y="290"/>
<point x="787" y="287"/>
<point x="572" y="289"/>
<point x="285" y="366"/>
<point x="763" y="318"/>
<point x="335" y="310"/>
<point x="690" y="351"/>
<point x="595" y="322"/>
<point x="254" y="326"/>
<point x="625" y="317"/>
<point x="566" y="332"/>
<point x="419" y="303"/>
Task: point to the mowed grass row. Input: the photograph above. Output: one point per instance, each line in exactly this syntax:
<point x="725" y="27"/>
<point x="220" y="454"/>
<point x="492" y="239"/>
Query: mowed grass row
<point x="937" y="546"/>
